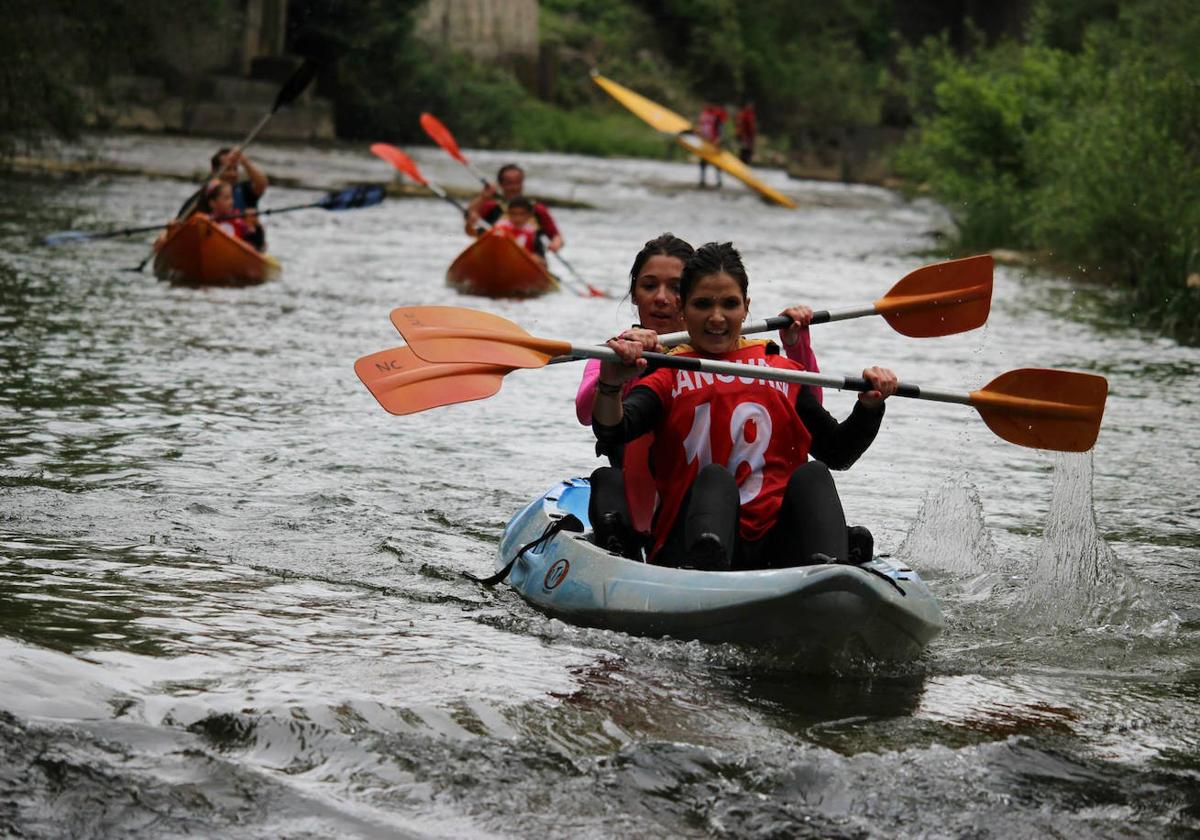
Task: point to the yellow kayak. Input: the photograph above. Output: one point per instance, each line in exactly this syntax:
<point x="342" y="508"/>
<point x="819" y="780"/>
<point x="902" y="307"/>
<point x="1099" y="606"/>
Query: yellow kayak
<point x="668" y="122"/>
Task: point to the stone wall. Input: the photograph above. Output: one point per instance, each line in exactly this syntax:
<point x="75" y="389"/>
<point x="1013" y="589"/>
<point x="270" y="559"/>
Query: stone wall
<point x="852" y="154"/>
<point x="490" y="30"/>
<point x="223" y="73"/>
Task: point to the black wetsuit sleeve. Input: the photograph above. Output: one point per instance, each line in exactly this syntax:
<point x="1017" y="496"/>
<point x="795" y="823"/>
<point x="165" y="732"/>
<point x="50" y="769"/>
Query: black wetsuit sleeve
<point x="642" y="410"/>
<point x="836" y="444"/>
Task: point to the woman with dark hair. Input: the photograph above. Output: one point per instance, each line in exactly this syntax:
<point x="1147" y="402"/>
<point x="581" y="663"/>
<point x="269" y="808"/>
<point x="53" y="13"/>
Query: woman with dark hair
<point x="730" y="453"/>
<point x="622" y="501"/>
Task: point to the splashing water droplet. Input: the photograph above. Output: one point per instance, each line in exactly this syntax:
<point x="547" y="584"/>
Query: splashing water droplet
<point x="949" y="533"/>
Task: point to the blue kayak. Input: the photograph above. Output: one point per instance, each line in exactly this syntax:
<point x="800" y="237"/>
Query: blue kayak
<point x="881" y="609"/>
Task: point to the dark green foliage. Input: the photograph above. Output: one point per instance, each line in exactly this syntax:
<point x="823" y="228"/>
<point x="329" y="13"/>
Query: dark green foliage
<point x="386" y="77"/>
<point x="52" y="47"/>
<point x="1089" y="156"/>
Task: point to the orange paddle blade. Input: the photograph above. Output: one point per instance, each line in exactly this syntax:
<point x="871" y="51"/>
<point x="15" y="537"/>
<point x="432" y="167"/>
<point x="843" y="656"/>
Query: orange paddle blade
<point x="406" y="384"/>
<point x="441" y="135"/>
<point x="399" y="160"/>
<point x="456" y="334"/>
<point x="940" y="299"/>
<point x="1043" y="408"/>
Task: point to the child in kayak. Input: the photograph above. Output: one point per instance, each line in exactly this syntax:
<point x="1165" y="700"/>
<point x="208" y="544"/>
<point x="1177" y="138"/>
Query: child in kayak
<point x="491" y="201"/>
<point x="654" y="282"/>
<point x="518" y="223"/>
<point x="731" y="457"/>
<point x="227" y="164"/>
<point x="218" y="204"/>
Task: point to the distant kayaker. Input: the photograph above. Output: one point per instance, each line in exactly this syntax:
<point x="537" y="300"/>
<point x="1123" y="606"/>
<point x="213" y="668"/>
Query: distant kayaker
<point x="710" y="126"/>
<point x="226" y="166"/>
<point x="486" y="205"/>
<point x="730" y="453"/>
<point x="745" y="126"/>
<point x="217" y="202"/>
<point x="518" y="223"/>
<point x="654" y="282"/>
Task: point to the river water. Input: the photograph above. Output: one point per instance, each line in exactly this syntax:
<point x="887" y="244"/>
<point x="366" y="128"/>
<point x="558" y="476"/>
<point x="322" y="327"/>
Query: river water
<point x="230" y="590"/>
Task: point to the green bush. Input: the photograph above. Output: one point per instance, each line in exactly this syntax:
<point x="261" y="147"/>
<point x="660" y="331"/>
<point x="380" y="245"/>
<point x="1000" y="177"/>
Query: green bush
<point x="587" y="131"/>
<point x="1091" y="157"/>
<point x="976" y="140"/>
<point x="1120" y="189"/>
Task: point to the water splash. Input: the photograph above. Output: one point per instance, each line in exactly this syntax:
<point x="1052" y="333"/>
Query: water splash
<point x="1077" y="578"/>
<point x="1074" y="557"/>
<point x="949" y="533"/>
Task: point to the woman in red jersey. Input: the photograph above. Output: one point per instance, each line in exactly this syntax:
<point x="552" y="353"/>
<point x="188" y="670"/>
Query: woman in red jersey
<point x="730" y="453"/>
<point x="626" y="497"/>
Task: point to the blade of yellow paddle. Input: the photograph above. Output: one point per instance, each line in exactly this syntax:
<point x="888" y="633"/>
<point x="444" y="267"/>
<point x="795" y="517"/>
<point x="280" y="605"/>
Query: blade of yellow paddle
<point x="457" y="334"/>
<point x="405" y="384"/>
<point x="1044" y="408"/>
<point x="940" y="299"/>
<point x="663" y="119"/>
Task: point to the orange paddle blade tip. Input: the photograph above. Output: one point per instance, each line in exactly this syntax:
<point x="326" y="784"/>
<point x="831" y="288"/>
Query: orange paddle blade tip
<point x="944" y="298"/>
<point x="400" y="160"/>
<point x="1043" y="408"/>
<point x="441" y="135"/>
<point x="457" y="334"/>
<point x="405" y="384"/>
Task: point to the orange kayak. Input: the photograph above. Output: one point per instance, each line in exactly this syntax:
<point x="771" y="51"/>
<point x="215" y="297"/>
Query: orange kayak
<point x="197" y="252"/>
<point x="496" y="266"/>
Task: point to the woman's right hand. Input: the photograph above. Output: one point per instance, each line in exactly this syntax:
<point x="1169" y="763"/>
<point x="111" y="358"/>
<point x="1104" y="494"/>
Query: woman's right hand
<point x="629" y="346"/>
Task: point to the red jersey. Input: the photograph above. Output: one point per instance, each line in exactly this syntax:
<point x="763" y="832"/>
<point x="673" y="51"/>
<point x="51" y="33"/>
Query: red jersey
<point x="749" y="425"/>
<point x="747" y="126"/>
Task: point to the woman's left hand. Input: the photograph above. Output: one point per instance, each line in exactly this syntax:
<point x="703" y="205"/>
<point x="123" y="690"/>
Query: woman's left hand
<point x="883" y="382"/>
<point x="801" y="317"/>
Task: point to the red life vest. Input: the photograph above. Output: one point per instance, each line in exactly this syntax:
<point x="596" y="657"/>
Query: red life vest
<point x="749" y="425"/>
<point x="236" y="226"/>
<point x="525" y="236"/>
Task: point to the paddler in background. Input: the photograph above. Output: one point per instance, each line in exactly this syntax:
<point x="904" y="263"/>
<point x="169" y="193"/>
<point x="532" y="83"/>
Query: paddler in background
<point x="217" y="202"/>
<point x="226" y="166"/>
<point x="745" y="126"/>
<point x="623" y="497"/>
<point x="488" y="207"/>
<point x="518" y="223"/>
<point x="709" y="126"/>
